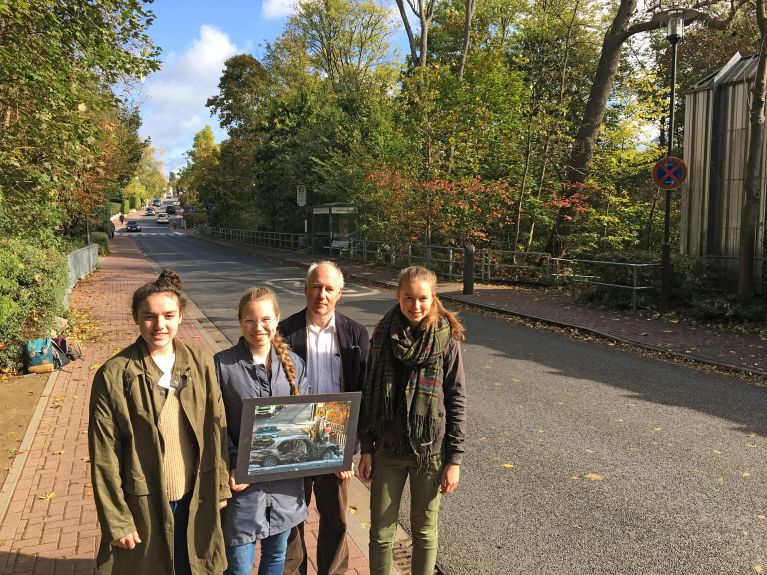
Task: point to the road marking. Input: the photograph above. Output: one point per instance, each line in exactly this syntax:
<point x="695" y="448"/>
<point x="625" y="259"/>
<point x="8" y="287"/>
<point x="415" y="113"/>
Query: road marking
<point x="295" y="286"/>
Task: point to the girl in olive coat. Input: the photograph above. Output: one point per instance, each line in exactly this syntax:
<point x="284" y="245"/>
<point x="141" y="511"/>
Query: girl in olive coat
<point x="157" y="442"/>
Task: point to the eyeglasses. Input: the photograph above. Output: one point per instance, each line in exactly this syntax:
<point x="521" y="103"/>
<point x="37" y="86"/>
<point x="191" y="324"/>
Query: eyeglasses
<point x="255" y="322"/>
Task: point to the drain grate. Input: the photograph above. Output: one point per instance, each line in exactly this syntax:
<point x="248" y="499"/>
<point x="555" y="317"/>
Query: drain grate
<point x="403" y="553"/>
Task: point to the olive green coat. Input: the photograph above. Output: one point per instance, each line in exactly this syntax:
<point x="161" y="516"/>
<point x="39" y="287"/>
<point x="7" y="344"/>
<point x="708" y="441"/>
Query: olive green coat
<point x="125" y="447"/>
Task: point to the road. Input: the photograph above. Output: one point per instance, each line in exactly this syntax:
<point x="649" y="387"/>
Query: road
<point x="581" y="458"/>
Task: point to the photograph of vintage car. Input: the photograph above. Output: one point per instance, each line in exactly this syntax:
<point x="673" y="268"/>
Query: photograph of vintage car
<point x="296" y="436"/>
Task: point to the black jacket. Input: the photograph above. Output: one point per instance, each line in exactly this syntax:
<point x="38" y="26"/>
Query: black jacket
<point x="353" y="343"/>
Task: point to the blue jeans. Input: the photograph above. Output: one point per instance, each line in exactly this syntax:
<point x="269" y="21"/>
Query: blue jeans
<point x="180" y="511"/>
<point x="240" y="557"/>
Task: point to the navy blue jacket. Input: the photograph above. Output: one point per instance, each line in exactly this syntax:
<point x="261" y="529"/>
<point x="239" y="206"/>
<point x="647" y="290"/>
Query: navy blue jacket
<point x="353" y="343"/>
<point x="245" y="519"/>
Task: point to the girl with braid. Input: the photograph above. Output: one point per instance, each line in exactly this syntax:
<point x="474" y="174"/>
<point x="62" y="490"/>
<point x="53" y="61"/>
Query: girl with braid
<point x="413" y="420"/>
<point x="260" y="365"/>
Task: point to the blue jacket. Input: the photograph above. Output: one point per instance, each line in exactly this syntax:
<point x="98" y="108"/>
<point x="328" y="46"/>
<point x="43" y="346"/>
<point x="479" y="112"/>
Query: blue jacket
<point x="263" y="509"/>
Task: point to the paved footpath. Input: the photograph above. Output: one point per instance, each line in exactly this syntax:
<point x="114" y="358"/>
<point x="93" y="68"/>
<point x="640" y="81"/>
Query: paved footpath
<point x="50" y="526"/>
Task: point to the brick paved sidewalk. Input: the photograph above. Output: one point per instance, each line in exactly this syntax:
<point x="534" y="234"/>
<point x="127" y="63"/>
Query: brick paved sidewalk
<point x="736" y="351"/>
<point x="50" y="526"/>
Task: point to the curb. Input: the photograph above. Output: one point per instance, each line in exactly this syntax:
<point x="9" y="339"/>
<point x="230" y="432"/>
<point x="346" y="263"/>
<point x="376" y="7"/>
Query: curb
<point x="14" y="473"/>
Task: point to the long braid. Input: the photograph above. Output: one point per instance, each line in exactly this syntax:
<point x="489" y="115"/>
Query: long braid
<point x="282" y="349"/>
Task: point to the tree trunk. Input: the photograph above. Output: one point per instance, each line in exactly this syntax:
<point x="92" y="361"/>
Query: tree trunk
<point x="408" y="31"/>
<point x="582" y="153"/>
<point x="470" y="6"/>
<point x="752" y="185"/>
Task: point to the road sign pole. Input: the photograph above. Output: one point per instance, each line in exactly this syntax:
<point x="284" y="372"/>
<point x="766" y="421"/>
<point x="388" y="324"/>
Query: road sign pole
<point x="665" y="261"/>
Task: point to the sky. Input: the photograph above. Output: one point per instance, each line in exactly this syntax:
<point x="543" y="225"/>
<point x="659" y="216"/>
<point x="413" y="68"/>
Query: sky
<point x="196" y="37"/>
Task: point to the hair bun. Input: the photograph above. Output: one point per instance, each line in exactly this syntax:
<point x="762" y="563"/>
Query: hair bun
<point x="168" y="276"/>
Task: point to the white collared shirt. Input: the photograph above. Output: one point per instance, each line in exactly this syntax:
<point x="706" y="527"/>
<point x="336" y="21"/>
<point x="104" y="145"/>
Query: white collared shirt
<point x="323" y="365"/>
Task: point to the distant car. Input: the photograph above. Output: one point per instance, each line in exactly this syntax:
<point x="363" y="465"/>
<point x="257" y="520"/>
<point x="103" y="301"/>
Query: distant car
<point x="170" y="210"/>
<point x="266" y="409"/>
<point x="150" y="212"/>
<point x="162" y="218"/>
<point x="294" y="449"/>
<point x="132" y="226"/>
<point x="156" y="202"/>
<point x="176" y="202"/>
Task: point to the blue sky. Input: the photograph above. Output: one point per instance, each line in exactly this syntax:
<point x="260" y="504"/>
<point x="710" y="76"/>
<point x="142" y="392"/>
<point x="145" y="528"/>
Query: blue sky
<point x="196" y="37"/>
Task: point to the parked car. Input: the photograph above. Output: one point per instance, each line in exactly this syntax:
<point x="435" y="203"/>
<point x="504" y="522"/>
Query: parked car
<point x="150" y="212"/>
<point x="132" y="226"/>
<point x="264" y="435"/>
<point x="170" y="210"/>
<point x="294" y="449"/>
<point x="162" y="218"/>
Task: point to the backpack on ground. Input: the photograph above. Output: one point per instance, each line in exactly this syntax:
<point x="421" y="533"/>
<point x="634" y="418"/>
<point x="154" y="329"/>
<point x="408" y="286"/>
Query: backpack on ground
<point x="40" y="355"/>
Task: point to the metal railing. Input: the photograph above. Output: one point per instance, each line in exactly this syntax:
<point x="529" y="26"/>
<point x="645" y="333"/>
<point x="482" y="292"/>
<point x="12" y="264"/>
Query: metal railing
<point x="591" y="272"/>
<point x="491" y="266"/>
<point x="81" y="262"/>
<point x="281" y="240"/>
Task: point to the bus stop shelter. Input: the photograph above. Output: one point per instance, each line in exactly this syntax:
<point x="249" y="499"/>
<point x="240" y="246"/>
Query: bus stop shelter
<point x="331" y="227"/>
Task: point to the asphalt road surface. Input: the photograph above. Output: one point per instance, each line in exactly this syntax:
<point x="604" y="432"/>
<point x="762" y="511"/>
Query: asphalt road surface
<point x="581" y="458"/>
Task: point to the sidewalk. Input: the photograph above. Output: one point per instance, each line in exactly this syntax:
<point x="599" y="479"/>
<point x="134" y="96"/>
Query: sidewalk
<point x="49" y="526"/>
<point x="730" y="350"/>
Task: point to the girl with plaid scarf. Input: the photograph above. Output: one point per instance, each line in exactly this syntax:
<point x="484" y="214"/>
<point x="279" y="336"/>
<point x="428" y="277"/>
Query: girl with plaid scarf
<point x="413" y="420"/>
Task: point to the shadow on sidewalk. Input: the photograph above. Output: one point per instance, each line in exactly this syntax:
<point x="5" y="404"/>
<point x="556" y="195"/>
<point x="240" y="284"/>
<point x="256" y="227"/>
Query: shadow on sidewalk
<point x="20" y="563"/>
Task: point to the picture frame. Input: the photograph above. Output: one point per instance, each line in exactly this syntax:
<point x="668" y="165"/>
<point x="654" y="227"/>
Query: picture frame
<point x="296" y="436"/>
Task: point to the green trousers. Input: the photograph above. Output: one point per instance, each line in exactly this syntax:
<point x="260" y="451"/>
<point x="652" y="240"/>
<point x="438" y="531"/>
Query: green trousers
<point x="390" y="473"/>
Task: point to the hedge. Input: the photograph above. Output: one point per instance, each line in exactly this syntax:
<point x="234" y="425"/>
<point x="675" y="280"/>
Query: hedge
<point x="33" y="281"/>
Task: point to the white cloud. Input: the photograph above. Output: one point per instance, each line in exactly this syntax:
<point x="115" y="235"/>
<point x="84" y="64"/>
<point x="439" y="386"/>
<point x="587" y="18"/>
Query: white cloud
<point x="175" y="96"/>
<point x="272" y="9"/>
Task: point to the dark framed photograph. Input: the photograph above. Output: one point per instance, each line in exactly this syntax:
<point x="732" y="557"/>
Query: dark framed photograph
<point x="296" y="436"/>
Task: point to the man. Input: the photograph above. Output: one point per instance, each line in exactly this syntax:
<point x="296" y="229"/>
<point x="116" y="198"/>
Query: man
<point x="335" y="349"/>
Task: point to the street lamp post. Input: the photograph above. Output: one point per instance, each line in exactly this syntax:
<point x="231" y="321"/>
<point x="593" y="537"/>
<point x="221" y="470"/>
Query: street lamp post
<point x="674" y="33"/>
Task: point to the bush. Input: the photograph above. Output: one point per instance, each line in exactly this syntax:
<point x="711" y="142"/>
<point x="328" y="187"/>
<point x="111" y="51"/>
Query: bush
<point x="114" y="208"/>
<point x="102" y="239"/>
<point x="691" y="277"/>
<point x="125" y="207"/>
<point x="195" y="219"/>
<point x="33" y="281"/>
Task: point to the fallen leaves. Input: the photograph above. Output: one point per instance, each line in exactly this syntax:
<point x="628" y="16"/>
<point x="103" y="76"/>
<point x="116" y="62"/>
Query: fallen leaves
<point x="507" y="465"/>
<point x="48" y="496"/>
<point x="594" y="477"/>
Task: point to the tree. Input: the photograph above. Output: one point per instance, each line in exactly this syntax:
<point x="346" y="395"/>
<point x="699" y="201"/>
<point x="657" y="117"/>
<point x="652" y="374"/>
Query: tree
<point x="348" y="40"/>
<point x="198" y="177"/>
<point x="623" y="26"/>
<point x="752" y="188"/>
<point x="59" y="63"/>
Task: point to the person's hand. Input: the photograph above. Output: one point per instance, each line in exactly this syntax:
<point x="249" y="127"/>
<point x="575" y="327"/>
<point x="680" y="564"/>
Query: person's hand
<point x="451" y="475"/>
<point x="366" y="467"/>
<point x="129" y="541"/>
<point x="236" y="487"/>
<point x="222" y="504"/>
<point x="345" y="475"/>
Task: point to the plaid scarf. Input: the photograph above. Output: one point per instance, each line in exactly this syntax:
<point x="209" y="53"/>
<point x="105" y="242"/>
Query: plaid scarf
<point x="393" y="342"/>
